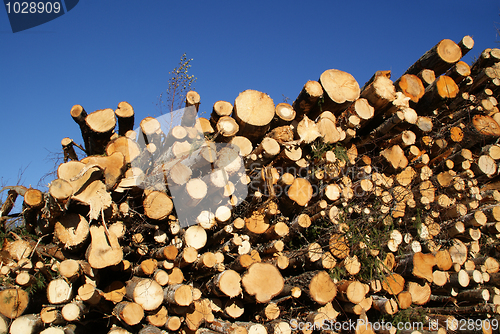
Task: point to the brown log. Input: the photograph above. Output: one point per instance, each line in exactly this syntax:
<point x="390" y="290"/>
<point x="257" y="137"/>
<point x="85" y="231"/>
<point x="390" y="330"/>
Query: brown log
<point x="411" y="86"/>
<point x="419" y="265"/>
<point x="384" y="305"/>
<point x="458" y="72"/>
<point x="307" y="99"/>
<point x="439" y="59"/>
<point x="101" y="124"/>
<point x="129" y="312"/>
<point x="68" y="149"/>
<point x="178" y="294"/>
<point x="427" y="77"/>
<point x="125" y="115"/>
<point x="79" y="114"/>
<point x="379" y="93"/>
<point x="253" y="111"/>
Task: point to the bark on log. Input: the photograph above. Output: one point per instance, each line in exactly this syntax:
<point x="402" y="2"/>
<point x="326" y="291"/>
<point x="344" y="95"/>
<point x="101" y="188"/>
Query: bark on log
<point x="439" y="59"/>
<point x="253" y="111"/>
<point x="340" y="90"/>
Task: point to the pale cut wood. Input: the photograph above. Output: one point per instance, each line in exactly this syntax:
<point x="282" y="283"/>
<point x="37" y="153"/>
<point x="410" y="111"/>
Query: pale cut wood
<point x="352" y="291"/>
<point x="28" y="323"/>
<point x="104" y="250"/>
<point x="227" y="127"/>
<point x="442" y="89"/>
<point x="157" y="205"/>
<point x="126" y="146"/>
<point x="178" y="294"/>
<point x="340" y="90"/>
<point x="220" y="108"/>
<point x="112" y="167"/>
<point x="72" y="231"/>
<point x="253" y="111"/>
<point x="59" y="291"/>
<point x="427" y="77"/>
<point x="251" y="282"/>
<point x="284" y="114"/>
<point x="307" y="130"/>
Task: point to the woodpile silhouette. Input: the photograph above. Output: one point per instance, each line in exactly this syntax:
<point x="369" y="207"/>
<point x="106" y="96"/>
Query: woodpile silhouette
<point x="352" y="205"/>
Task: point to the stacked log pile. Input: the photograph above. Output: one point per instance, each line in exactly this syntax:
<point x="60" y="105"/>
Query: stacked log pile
<point x="353" y="203"/>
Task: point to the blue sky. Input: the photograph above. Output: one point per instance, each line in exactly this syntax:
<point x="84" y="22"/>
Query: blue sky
<point x="104" y="52"/>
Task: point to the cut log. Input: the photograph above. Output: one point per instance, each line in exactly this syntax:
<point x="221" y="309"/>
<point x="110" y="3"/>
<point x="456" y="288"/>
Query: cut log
<point x="28" y="323"/>
<point x="72" y="231"/>
<point x="307" y="99"/>
<point x="307" y="130"/>
<point x="317" y="284"/>
<point x="420" y="295"/>
<point x="125" y="114"/>
<point x="59" y="291"/>
<point x="393" y="284"/>
<point x="14" y="302"/>
<point x="178" y="294"/>
<point x="253" y="111"/>
<point x="104" y="250"/>
<point x="379" y="93"/>
<point x="340" y="90"/>
<point x="113" y="167"/>
<point x="128" y="312"/>
<point x="220" y="108"/>
<point x="145" y="292"/>
<point x="411" y="86"/>
<point x="101" y="124"/>
<point x="419" y="265"/>
<point x="157" y="205"/>
<point x="79" y="114"/>
<point x="352" y="291"/>
<point x="125" y="146"/>
<point x="227" y="128"/>
<point x="439" y="59"/>
<point x="257" y="273"/>
<point x="441" y="90"/>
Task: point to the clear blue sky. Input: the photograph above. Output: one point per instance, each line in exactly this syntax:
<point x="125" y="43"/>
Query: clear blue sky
<point x="104" y="52"/>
